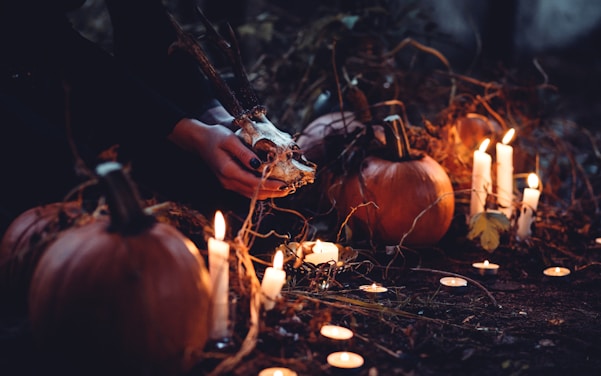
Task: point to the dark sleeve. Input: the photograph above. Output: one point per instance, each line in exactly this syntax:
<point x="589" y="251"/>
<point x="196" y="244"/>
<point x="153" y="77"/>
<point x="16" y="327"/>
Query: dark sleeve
<point x="143" y="34"/>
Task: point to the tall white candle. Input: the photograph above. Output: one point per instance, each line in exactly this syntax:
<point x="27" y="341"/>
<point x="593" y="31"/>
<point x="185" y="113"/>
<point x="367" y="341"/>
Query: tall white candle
<point x="481" y="178"/>
<point x="505" y="174"/>
<point x="529" y="205"/>
<point x="273" y="280"/>
<point x="219" y="252"/>
<point x="323" y="252"/>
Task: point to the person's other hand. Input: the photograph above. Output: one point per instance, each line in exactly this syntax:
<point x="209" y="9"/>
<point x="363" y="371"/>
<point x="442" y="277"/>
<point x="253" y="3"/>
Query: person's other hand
<point x="234" y="164"/>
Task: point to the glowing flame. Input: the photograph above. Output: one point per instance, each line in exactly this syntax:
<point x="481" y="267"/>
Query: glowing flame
<point x="508" y="136"/>
<point x="219" y="226"/>
<point x="486" y="262"/>
<point x="278" y="260"/>
<point x="484" y="145"/>
<point x="317" y="248"/>
<point x="532" y="180"/>
<point x="345" y="357"/>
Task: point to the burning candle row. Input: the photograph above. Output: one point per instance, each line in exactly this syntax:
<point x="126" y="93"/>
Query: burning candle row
<point x="482" y="185"/>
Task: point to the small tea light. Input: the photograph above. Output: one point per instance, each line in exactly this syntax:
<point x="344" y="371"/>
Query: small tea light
<point x="453" y="282"/>
<point x="345" y="359"/>
<point x="486" y="268"/>
<point x="323" y="252"/>
<point x="454" y="285"/>
<point x="336" y="332"/>
<point x="277" y="371"/>
<point x="556" y="271"/>
<point x="373" y="288"/>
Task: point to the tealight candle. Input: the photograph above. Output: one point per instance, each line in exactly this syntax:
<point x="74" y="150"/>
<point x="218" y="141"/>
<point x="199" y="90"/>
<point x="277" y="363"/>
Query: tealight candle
<point x="323" y="252"/>
<point x="529" y="205"/>
<point x="345" y="359"/>
<point x="481" y="179"/>
<point x="556" y="271"/>
<point x="336" y="332"/>
<point x="374" y="288"/>
<point x="505" y="174"/>
<point x="486" y="268"/>
<point x="219" y="272"/>
<point x="273" y="280"/>
<point x="453" y="282"/>
<point x="277" y="371"/>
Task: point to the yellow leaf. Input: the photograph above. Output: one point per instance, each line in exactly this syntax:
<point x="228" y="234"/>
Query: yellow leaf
<point x="488" y="226"/>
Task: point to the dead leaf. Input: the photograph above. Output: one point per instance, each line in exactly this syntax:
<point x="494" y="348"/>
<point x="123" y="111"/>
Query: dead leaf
<point x="488" y="226"/>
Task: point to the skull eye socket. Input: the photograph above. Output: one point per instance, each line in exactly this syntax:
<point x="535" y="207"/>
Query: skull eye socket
<point x="265" y="150"/>
<point x="266" y="155"/>
<point x="262" y="154"/>
<point x="296" y="155"/>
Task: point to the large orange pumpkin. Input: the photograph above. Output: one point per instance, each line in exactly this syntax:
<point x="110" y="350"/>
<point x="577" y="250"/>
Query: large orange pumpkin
<point x="128" y="296"/>
<point x="399" y="196"/>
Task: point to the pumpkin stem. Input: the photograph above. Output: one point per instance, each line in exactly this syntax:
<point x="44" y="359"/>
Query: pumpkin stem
<point x="127" y="214"/>
<point x="396" y="137"/>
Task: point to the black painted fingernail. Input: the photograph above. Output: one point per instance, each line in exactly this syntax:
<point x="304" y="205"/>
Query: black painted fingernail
<point x="255" y="163"/>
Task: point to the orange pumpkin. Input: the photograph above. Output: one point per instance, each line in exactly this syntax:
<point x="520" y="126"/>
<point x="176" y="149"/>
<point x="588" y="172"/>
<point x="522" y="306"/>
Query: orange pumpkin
<point x="408" y="197"/>
<point x="23" y="243"/>
<point x="127" y="296"/>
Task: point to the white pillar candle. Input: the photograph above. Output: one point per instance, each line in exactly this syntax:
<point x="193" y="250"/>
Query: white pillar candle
<point x="323" y="252"/>
<point x="273" y="280"/>
<point x="219" y="252"/>
<point x="505" y="174"/>
<point x="481" y="179"/>
<point x="529" y="205"/>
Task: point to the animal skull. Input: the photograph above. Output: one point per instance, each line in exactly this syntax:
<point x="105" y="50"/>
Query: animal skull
<point x="277" y="150"/>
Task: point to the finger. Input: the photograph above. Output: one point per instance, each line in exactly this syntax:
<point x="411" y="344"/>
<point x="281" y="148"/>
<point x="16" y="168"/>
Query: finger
<point x="235" y="147"/>
<point x="234" y="178"/>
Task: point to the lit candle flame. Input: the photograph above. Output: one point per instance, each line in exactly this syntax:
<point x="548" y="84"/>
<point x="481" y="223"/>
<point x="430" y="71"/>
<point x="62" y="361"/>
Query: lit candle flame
<point x="532" y="180"/>
<point x="508" y="136"/>
<point x="278" y="373"/>
<point x="344" y="357"/>
<point x="486" y="262"/>
<point x="557" y="269"/>
<point x="374" y="286"/>
<point x="278" y="260"/>
<point x="219" y="226"/>
<point x="317" y="247"/>
<point x="484" y="145"/>
<point x="453" y="281"/>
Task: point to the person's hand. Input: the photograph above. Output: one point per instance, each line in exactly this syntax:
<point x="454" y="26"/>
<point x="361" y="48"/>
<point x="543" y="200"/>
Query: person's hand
<point x="234" y="164"/>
